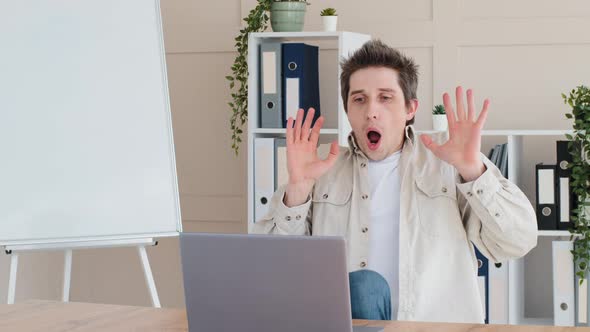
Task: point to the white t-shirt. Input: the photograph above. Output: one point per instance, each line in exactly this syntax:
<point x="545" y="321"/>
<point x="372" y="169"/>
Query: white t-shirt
<point x="384" y="181"/>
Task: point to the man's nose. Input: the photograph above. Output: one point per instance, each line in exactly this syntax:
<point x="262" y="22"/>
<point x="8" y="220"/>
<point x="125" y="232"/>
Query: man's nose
<point x="372" y="111"/>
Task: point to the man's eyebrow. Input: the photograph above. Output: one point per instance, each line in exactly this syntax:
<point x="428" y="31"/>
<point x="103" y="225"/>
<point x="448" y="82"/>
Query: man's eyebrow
<point x="387" y="90"/>
<point x="380" y="89"/>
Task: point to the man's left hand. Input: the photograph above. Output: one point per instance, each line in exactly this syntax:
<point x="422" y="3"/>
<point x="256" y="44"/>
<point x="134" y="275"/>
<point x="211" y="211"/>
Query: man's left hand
<point x="462" y="150"/>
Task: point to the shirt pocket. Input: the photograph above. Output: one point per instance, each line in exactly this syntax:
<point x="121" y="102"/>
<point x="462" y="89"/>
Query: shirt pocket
<point x="438" y="210"/>
<point x="331" y="209"/>
<point x="328" y="195"/>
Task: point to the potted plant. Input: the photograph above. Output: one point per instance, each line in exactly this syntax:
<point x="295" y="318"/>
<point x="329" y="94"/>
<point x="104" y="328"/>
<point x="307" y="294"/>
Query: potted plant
<point x="287" y="15"/>
<point x="256" y="21"/>
<point x="439" y="118"/>
<point x="329" y="18"/>
<point x="579" y="145"/>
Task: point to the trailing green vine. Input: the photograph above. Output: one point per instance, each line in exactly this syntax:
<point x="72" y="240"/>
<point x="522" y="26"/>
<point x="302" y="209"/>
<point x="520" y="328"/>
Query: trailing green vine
<point x="256" y="21"/>
<point x="579" y="145"/>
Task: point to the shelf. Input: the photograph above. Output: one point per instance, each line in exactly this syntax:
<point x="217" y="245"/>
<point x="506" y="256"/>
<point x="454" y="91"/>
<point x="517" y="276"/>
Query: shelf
<point x="514" y="132"/>
<point x="536" y="321"/>
<point x="332" y="131"/>
<point x="308" y="35"/>
<point x="326" y="131"/>
<point x="555" y="233"/>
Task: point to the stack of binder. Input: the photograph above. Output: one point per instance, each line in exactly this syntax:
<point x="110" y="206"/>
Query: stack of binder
<point x="555" y="198"/>
<point x="499" y="156"/>
<point x="289" y="80"/>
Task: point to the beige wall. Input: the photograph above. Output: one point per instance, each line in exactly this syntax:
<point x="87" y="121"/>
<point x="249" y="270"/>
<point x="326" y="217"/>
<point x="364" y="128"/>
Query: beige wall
<point x="522" y="54"/>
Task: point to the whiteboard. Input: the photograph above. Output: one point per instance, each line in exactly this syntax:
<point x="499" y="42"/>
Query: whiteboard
<point x="86" y="141"/>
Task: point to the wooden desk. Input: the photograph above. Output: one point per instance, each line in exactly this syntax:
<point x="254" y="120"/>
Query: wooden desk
<point x="51" y="316"/>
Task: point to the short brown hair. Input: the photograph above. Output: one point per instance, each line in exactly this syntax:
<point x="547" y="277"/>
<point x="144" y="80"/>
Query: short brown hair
<point x="375" y="53"/>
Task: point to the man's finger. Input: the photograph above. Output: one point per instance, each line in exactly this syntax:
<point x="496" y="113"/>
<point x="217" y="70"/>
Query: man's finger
<point x="315" y="131"/>
<point x="333" y="156"/>
<point x="470" y="106"/>
<point x="483" y="114"/>
<point x="327" y="163"/>
<point x="298" y="123"/>
<point x="305" y="131"/>
<point x="449" y="110"/>
<point x="429" y="143"/>
<point x="290" y="131"/>
<point x="459" y="101"/>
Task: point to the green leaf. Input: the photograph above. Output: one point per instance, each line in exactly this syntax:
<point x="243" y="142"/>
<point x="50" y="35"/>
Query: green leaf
<point x="579" y="101"/>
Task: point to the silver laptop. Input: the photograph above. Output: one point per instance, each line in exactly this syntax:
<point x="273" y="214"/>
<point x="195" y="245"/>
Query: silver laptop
<point x="264" y="283"/>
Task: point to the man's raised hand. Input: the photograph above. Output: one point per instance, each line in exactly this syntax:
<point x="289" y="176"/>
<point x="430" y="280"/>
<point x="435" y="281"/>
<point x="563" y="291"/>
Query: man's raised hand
<point x="303" y="162"/>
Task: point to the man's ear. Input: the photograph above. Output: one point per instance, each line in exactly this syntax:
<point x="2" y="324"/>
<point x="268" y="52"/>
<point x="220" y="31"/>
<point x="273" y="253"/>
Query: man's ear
<point x="411" y="112"/>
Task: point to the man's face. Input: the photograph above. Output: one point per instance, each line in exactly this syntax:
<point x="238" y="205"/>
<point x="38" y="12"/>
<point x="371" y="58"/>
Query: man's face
<point x="377" y="111"/>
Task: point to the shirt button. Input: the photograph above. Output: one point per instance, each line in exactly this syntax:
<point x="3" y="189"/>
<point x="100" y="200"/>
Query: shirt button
<point x="363" y="165"/>
<point x="325" y="196"/>
<point x="444" y="189"/>
<point x="363" y="264"/>
<point x="479" y="191"/>
<point x="288" y="218"/>
<point x="497" y="214"/>
<point x="365" y="197"/>
<point x="469" y="193"/>
<point x="365" y="229"/>
<point x="297" y="217"/>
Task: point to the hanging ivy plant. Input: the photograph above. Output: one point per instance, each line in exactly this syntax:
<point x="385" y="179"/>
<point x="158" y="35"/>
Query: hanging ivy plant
<point x="256" y="21"/>
<point x="579" y="145"/>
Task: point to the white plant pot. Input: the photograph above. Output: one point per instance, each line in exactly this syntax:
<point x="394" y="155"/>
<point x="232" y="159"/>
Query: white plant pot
<point x="439" y="122"/>
<point x="330" y="23"/>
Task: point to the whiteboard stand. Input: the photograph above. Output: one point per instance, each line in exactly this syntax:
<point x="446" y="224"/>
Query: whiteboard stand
<point x="68" y="247"/>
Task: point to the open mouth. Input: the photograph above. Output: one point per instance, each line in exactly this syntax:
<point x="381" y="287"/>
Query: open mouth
<point x="373" y="139"/>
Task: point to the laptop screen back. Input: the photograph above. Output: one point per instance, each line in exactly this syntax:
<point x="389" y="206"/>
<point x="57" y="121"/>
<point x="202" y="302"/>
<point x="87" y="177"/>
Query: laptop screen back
<point x="265" y="283"/>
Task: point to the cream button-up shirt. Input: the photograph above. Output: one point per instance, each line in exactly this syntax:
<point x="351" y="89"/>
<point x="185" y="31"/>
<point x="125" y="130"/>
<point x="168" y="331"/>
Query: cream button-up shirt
<point x="441" y="218"/>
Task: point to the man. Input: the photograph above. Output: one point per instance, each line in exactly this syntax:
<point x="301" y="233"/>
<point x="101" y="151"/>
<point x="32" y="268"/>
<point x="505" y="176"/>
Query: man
<point x="410" y="208"/>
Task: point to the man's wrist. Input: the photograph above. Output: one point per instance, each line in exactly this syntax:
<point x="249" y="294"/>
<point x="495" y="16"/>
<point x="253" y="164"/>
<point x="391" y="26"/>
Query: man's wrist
<point x="296" y="194"/>
<point x="472" y="172"/>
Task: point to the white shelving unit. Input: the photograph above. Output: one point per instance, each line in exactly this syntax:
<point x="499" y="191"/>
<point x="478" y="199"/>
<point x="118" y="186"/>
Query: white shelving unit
<point x="506" y="282"/>
<point x="509" y="302"/>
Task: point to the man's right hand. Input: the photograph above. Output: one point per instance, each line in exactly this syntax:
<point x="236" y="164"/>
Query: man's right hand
<point x="303" y="163"/>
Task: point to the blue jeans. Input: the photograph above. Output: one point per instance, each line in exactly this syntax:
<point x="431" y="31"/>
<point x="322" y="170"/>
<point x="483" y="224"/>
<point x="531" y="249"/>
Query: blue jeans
<point x="369" y="295"/>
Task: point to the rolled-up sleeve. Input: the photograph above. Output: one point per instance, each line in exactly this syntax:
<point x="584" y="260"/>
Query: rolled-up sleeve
<point x="283" y="220"/>
<point x="497" y="215"/>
